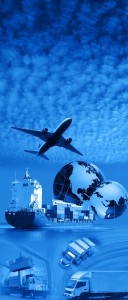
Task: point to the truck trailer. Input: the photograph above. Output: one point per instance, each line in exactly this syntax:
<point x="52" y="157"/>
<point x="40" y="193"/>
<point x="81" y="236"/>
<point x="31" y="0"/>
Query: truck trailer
<point x="89" y="242"/>
<point x="98" y="285"/>
<point x="84" y="246"/>
<point x="79" y="253"/>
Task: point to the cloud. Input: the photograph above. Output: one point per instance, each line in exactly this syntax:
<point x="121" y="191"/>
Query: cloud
<point x="61" y="61"/>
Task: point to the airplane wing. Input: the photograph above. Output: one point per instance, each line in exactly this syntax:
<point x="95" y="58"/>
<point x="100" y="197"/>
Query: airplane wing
<point x="63" y="143"/>
<point x="43" y="135"/>
<point x="73" y="149"/>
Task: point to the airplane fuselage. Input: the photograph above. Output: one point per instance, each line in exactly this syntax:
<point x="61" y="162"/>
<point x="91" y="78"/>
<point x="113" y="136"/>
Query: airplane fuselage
<point x="63" y="127"/>
<point x="54" y="138"/>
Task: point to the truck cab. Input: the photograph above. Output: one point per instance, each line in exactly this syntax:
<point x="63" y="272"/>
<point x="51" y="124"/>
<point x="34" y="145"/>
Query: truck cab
<point x="32" y="282"/>
<point x="78" y="284"/>
<point x="33" y="286"/>
<point x="67" y="260"/>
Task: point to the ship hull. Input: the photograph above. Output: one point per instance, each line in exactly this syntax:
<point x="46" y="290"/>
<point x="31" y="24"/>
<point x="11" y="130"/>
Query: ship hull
<point x="20" y="219"/>
<point x="39" y="220"/>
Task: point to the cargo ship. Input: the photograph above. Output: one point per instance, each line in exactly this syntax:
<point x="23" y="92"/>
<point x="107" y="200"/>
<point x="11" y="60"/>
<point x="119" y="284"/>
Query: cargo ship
<point x="26" y="208"/>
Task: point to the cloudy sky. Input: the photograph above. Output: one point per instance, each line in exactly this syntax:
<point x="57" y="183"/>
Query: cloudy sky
<point x="64" y="59"/>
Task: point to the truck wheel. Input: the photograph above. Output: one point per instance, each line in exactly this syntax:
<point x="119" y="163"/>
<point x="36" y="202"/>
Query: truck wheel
<point x="117" y="297"/>
<point x="23" y="295"/>
<point x="32" y="295"/>
<point x="83" y="296"/>
<point x="7" y="293"/>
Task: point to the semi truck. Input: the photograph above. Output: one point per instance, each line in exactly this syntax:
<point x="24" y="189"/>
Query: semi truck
<point x="98" y="285"/>
<point x="76" y="252"/>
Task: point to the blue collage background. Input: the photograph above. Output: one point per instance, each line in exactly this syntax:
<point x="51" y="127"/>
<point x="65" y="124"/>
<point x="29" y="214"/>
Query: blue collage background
<point x="64" y="59"/>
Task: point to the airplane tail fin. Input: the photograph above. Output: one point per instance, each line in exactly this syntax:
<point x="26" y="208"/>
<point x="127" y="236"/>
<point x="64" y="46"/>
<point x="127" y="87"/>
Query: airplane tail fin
<point x="31" y="151"/>
<point x="36" y="152"/>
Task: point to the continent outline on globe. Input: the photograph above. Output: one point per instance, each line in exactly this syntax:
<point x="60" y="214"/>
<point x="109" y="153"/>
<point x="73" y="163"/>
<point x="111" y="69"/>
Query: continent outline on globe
<point x="85" y="174"/>
<point x="109" y="200"/>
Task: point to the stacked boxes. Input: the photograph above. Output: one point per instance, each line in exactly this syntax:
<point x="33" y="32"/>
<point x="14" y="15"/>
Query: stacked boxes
<point x="85" y="212"/>
<point x="60" y="211"/>
<point x="67" y="211"/>
<point x="81" y="216"/>
<point x="49" y="211"/>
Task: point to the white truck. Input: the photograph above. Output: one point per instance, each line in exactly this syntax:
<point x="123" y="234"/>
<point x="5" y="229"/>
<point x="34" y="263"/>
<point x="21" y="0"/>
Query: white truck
<point x="98" y="285"/>
<point x="67" y="259"/>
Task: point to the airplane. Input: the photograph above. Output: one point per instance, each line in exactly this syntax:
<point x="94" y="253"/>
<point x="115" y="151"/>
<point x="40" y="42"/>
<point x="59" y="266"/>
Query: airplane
<point x="51" y="138"/>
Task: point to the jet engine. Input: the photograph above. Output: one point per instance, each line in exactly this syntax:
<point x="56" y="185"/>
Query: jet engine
<point x="68" y="141"/>
<point x="45" y="130"/>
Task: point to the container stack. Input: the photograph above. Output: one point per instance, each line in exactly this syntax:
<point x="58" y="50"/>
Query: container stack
<point x="67" y="212"/>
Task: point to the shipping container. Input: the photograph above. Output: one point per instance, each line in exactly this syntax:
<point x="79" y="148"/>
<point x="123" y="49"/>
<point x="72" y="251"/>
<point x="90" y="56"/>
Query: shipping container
<point x="21" y="264"/>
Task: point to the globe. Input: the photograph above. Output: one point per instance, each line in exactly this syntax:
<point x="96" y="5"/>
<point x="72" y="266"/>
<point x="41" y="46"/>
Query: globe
<point x="76" y="182"/>
<point x="109" y="200"/>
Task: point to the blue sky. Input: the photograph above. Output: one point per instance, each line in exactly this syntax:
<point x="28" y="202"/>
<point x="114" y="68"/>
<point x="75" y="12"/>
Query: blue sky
<point x="64" y="59"/>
